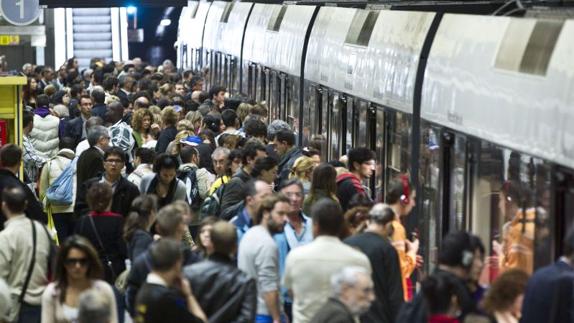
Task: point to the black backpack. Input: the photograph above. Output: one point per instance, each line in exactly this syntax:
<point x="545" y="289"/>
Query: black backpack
<point x="189" y="177"/>
<point x="211" y="206"/>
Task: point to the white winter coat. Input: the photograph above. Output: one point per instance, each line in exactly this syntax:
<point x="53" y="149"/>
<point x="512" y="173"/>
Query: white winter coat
<point x="44" y="135"/>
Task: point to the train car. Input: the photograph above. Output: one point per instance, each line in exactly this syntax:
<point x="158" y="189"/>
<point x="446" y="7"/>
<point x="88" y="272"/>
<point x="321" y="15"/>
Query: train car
<point x="474" y="107"/>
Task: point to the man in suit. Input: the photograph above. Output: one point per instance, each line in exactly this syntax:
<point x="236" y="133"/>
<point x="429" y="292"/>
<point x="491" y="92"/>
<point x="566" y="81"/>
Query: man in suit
<point x="76" y="128"/>
<point x="549" y="295"/>
<point x="91" y="161"/>
<point x="100" y="108"/>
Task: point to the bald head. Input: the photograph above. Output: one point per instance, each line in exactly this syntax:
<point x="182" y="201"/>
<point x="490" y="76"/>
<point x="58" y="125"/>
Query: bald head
<point x="115" y="112"/>
<point x="141" y="103"/>
<point x="224" y="238"/>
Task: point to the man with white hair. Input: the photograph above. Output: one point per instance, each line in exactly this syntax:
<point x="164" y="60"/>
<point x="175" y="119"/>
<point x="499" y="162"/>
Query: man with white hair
<point x="353" y="293"/>
<point x="94" y="307"/>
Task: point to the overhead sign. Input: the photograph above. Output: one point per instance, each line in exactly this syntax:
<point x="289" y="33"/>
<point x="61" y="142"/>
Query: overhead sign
<point x="9" y="40"/>
<point x="20" y="12"/>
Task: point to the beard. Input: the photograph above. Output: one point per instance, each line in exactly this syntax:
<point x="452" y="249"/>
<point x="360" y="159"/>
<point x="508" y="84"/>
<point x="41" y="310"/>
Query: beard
<point x="275" y="227"/>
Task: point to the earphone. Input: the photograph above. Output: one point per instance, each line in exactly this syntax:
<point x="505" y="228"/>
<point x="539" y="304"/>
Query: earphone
<point x="467" y="255"/>
<point x="467" y="258"/>
<point x="405" y="197"/>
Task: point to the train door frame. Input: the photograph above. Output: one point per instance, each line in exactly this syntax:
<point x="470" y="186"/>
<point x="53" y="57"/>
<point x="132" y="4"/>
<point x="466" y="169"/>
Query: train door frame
<point x="252" y="80"/>
<point x="561" y="194"/>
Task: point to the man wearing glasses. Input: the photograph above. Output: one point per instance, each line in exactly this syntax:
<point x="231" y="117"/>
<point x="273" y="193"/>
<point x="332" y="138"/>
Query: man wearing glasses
<point x="124" y="192"/>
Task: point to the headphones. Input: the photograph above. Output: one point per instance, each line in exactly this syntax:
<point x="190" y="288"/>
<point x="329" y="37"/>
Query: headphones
<point x="467" y="255"/>
<point x="405" y="197"/>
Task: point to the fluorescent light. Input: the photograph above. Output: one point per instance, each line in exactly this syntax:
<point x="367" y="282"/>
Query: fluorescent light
<point x="131" y="10"/>
<point x="165" y="22"/>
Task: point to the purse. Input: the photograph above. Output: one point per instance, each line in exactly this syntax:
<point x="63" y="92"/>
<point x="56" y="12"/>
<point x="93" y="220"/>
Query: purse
<point x="107" y="261"/>
<point x="17" y="304"/>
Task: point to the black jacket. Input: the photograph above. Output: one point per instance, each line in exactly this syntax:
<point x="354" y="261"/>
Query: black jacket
<point x="90" y="164"/>
<point x="225" y="293"/>
<point x="138" y="274"/>
<point x="333" y="312"/>
<point x="386" y="276"/>
<point x="100" y="111"/>
<point x="285" y="165"/>
<point x="34" y="210"/>
<point x="549" y="295"/>
<point x="234" y="191"/>
<point x="159" y="304"/>
<point x="122" y="199"/>
<point x="74" y="129"/>
<point x="138" y="243"/>
<point x="416" y="311"/>
<point x="166" y="136"/>
<point x="110" y="230"/>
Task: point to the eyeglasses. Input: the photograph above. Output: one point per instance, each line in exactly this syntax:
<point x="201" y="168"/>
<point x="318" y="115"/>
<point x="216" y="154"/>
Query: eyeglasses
<point x="83" y="262"/>
<point x="114" y="161"/>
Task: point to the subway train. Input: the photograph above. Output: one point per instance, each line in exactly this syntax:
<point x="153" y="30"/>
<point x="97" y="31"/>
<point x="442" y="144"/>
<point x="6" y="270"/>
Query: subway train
<point x="475" y="108"/>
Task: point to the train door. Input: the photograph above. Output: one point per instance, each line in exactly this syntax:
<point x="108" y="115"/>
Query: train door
<point x="312" y="115"/>
<point x="336" y="111"/>
<point x="563" y="208"/>
<point x="274" y="95"/>
<point x="363" y="126"/>
<point x="252" y="81"/>
<point x="398" y="128"/>
<point x="510" y="208"/>
<point x="455" y="179"/>
<point x="260" y="83"/>
<point x="291" y="101"/>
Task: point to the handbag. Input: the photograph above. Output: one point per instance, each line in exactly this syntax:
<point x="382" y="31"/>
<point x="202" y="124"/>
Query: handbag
<point x="107" y="261"/>
<point x="17" y="305"/>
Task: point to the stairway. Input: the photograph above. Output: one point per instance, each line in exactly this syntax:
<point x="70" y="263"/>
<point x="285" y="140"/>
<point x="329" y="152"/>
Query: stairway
<point x="92" y="34"/>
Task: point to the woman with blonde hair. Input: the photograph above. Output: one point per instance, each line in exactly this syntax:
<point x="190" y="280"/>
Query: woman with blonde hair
<point x="303" y="170"/>
<point x="324" y="185"/>
<point x="243" y="111"/>
<point x="196" y="119"/>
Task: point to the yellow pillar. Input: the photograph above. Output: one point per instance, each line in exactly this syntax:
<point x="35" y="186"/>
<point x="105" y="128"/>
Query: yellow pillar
<point x="11" y="109"/>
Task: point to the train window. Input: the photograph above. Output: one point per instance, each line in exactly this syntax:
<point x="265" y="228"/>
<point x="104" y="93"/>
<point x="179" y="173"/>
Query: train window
<point x="564" y="202"/>
<point x="337" y="109"/>
<point x="277" y="18"/>
<point x="350" y="124"/>
<point x="227" y="12"/>
<point x="399" y="144"/>
<point x="457" y="176"/>
<point x="360" y="126"/>
<point x="430" y="193"/>
<point x="361" y="27"/>
<point x="510" y="199"/>
<point x="309" y="114"/>
<point x="292" y="99"/>
<point x="380" y="152"/>
<point x="324" y="122"/>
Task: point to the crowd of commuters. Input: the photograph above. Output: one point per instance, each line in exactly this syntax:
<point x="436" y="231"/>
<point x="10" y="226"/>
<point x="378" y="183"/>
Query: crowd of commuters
<point x="145" y="196"/>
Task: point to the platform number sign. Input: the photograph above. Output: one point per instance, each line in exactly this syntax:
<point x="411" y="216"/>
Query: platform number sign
<point x="20" y="12"/>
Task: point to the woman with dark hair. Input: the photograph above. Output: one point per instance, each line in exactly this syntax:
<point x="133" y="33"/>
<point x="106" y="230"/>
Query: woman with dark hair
<point x="265" y="169"/>
<point x="163" y="183"/>
<point x="440" y="294"/>
<point x="78" y="269"/>
<point x="30" y="91"/>
<point x="323" y="185"/>
<point x="213" y="123"/>
<point x="104" y="230"/>
<point x="357" y="215"/>
<point x="138" y="225"/>
<point x="204" y="245"/>
<point x="504" y="298"/>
